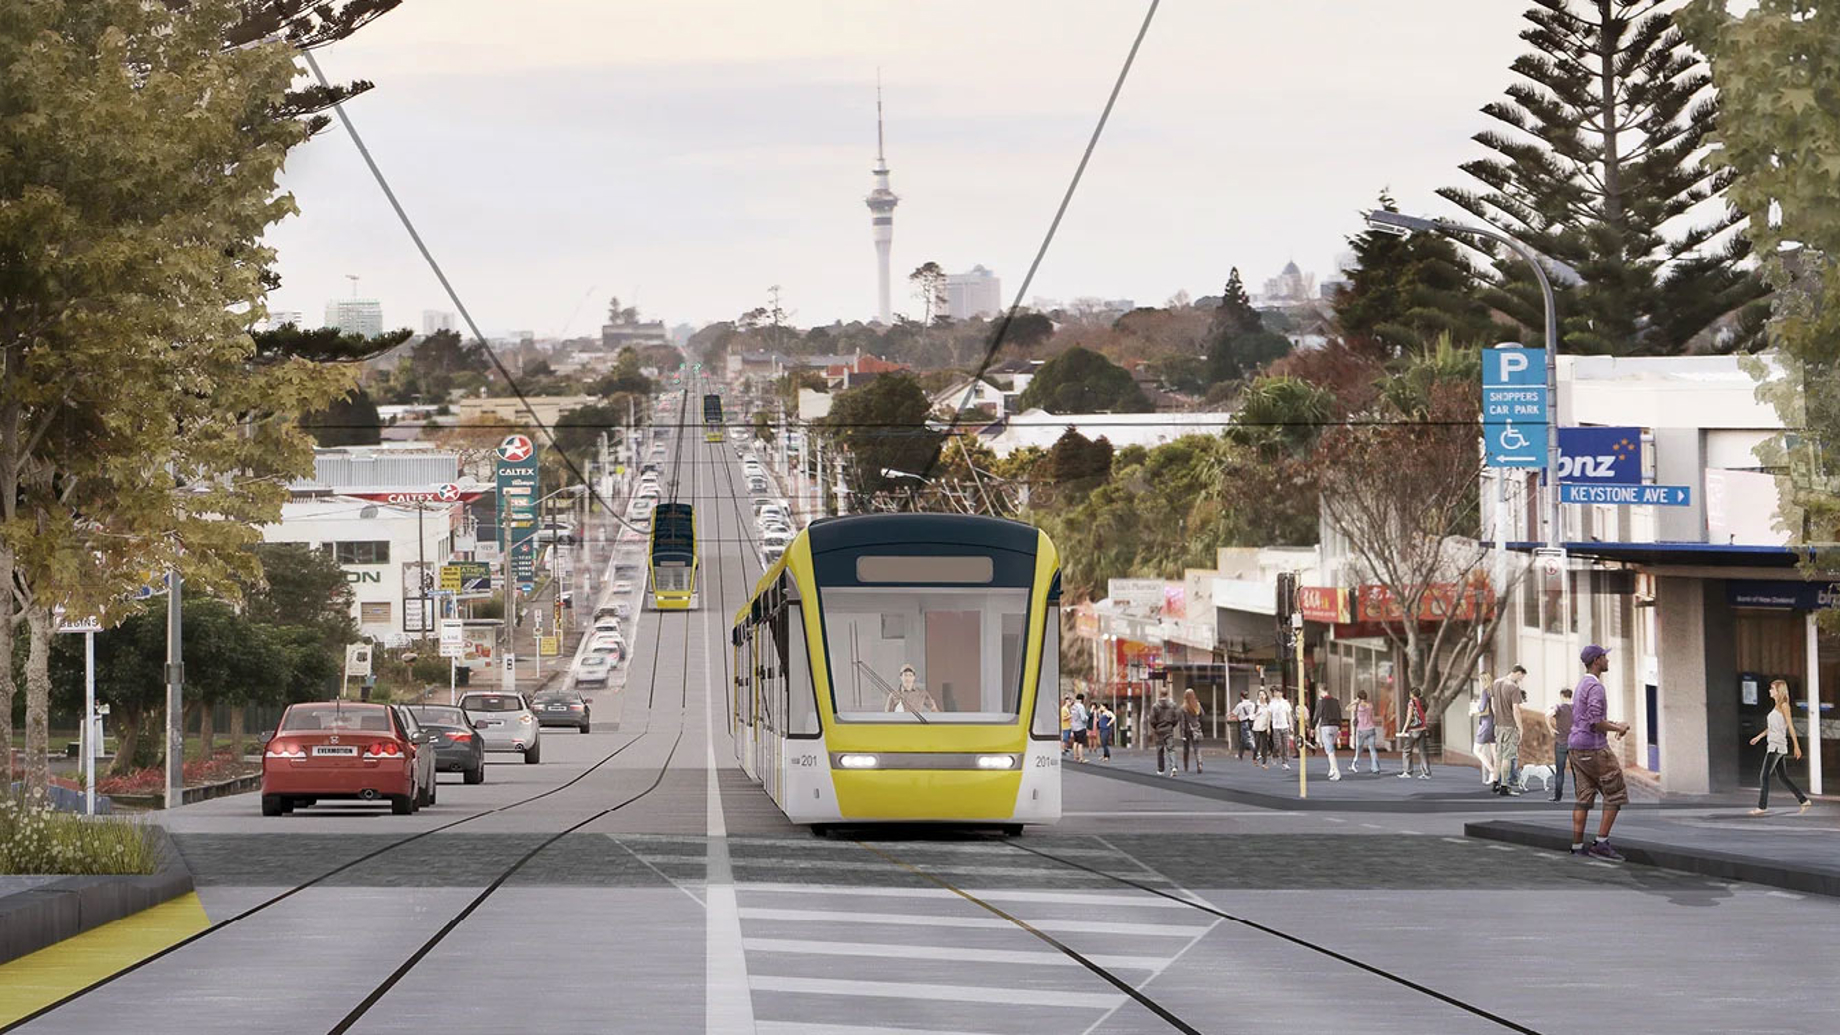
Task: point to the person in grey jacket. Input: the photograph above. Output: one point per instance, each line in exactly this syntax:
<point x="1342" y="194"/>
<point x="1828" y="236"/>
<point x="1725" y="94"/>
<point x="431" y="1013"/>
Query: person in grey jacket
<point x="1165" y="717"/>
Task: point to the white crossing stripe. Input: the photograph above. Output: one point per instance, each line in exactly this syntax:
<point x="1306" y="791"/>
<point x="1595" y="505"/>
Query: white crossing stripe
<point x="1046" y="873"/>
<point x="1075" y="898"/>
<point x="829" y="916"/>
<point x="940" y="993"/>
<point x="948" y="953"/>
<point x="808" y="1028"/>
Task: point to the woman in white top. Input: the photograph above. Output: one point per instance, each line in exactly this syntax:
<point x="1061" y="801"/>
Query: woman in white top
<point x="1261" y="731"/>
<point x="1781" y="733"/>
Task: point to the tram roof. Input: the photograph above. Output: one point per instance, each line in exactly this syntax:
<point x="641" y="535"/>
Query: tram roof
<point x="858" y="530"/>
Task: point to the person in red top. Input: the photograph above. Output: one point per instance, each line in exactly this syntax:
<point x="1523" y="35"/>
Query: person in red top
<point x="1412" y="735"/>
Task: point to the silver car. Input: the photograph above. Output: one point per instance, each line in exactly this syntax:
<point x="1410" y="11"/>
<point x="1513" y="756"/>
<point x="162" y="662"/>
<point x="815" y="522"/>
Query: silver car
<point x="505" y="723"/>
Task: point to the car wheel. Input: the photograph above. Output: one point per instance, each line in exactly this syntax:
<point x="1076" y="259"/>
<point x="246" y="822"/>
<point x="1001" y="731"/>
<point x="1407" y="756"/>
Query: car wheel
<point x="402" y="804"/>
<point x="477" y="774"/>
<point x="271" y="805"/>
<point x="534" y="754"/>
<point x="287" y="806"/>
<point x="584" y="727"/>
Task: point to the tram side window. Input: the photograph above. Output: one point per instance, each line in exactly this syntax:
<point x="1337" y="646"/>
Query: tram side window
<point x="1046" y="723"/>
<point x="744" y="677"/>
<point x="926" y="654"/>
<point x="802" y="702"/>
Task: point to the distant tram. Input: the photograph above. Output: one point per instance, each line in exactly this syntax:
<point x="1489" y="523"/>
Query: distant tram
<point x="673" y="560"/>
<point x="712" y="418"/>
<point x="904" y="668"/>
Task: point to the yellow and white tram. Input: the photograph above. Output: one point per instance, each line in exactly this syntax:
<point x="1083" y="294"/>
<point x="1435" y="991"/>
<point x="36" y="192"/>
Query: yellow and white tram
<point x="904" y="668"/>
<point x="673" y="557"/>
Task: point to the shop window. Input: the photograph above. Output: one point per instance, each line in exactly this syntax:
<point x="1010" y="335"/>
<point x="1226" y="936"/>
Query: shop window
<point x="362" y="552"/>
<point x="374" y="613"/>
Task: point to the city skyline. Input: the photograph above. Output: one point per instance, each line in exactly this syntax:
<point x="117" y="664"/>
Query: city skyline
<point x="747" y="171"/>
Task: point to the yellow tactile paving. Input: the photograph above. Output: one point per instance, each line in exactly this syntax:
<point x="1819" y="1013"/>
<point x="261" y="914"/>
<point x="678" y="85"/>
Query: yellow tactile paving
<point x="55" y="971"/>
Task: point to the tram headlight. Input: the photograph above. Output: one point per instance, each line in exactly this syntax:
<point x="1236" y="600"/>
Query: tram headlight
<point x="996" y="761"/>
<point x="858" y="761"/>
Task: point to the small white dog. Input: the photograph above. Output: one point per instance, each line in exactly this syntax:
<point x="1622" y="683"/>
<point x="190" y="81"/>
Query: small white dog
<point x="1542" y="773"/>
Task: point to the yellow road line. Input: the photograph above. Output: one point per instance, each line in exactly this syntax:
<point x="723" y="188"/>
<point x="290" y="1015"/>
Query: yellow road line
<point x="30" y="982"/>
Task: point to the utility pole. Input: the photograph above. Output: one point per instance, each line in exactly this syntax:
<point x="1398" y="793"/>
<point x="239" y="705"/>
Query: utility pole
<point x="175" y="691"/>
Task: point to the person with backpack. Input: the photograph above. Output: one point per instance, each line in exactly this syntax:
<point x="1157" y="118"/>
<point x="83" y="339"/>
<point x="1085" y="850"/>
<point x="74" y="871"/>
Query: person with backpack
<point x="1414" y="735"/>
<point x="1165" y="717"/>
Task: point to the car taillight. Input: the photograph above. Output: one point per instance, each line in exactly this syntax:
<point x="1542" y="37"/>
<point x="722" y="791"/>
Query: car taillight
<point x="459" y="735"/>
<point x="382" y="748"/>
<point x="524" y="718"/>
<point x="285" y="749"/>
<point x="574" y="707"/>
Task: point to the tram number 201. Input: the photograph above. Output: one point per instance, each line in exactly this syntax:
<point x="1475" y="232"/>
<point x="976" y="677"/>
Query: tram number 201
<point x="805" y="761"/>
<point x="1046" y="762"/>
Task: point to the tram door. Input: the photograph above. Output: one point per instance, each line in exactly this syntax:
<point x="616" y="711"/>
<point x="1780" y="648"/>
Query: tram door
<point x="744" y="700"/>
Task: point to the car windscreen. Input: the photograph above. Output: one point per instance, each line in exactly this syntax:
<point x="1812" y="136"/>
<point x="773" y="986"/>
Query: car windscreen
<point x="370" y="718"/>
<point x="491" y="703"/>
<point x="438" y="715"/>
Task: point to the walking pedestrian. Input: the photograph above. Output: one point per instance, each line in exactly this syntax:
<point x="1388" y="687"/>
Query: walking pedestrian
<point x="1261" y="730"/>
<point x="1595" y="768"/>
<point x="1329" y="728"/>
<point x="1413" y="738"/>
<point x="1781" y="732"/>
<point x="1066" y="726"/>
<point x="1191" y="729"/>
<point x="1281" y="718"/>
<point x="1485" y="737"/>
<point x="1104" y="722"/>
<point x="1505" y="699"/>
<point x="1164" y="718"/>
<point x="1242" y="719"/>
<point x="1366" y="732"/>
<point x="1560" y="719"/>
<point x="1079" y="718"/>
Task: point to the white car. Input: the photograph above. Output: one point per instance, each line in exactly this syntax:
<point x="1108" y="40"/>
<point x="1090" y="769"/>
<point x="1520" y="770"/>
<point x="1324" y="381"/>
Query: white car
<point x="606" y="625"/>
<point x="622" y="588"/>
<point x="593" y="670"/>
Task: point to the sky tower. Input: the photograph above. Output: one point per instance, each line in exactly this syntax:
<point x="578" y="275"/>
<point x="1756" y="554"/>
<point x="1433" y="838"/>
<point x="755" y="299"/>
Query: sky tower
<point x="881" y="202"/>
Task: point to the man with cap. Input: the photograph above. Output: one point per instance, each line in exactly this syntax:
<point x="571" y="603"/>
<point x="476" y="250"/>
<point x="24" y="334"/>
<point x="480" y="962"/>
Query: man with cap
<point x="1595" y="768"/>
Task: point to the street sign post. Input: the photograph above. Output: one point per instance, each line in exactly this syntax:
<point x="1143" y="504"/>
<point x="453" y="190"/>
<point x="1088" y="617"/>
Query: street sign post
<point x="1514" y="406"/>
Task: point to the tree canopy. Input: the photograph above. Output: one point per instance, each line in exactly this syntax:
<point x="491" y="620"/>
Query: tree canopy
<point x="882" y="427"/>
<point x="1082" y="381"/>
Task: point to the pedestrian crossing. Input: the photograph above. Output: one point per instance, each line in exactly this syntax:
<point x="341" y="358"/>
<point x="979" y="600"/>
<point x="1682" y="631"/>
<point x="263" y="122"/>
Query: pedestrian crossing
<point x="840" y="941"/>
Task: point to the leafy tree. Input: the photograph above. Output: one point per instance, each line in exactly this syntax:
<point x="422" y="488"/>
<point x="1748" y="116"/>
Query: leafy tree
<point x="323" y="344"/>
<point x="1779" y="141"/>
<point x="1403" y="292"/>
<point x="1238" y="342"/>
<point x="1077" y="464"/>
<point x="882" y="426"/>
<point x="351" y="420"/>
<point x="626" y="377"/>
<point x="929" y="281"/>
<point x="101" y="416"/>
<point x="1600" y="167"/>
<point x="578" y="432"/>
<point x="1027" y="332"/>
<point x="1082" y="381"/>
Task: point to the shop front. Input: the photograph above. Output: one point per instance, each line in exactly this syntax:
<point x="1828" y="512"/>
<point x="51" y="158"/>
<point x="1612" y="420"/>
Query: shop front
<point x="1775" y="635"/>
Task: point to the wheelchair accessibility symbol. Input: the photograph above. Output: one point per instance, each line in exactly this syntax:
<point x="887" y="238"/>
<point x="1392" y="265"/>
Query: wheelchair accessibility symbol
<point x="1513" y="439"/>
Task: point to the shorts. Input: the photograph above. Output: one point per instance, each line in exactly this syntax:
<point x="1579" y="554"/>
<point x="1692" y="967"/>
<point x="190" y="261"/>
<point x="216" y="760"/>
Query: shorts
<point x="1079" y="737"/>
<point x="1595" y="771"/>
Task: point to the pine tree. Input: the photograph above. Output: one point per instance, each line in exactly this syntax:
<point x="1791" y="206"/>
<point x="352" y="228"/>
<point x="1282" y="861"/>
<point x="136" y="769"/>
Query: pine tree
<point x="1238" y="342"/>
<point x="1235" y="314"/>
<point x="1600" y="169"/>
<point x="1404" y="293"/>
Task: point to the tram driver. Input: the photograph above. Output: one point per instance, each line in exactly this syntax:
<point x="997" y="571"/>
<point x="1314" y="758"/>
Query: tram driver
<point x="910" y="696"/>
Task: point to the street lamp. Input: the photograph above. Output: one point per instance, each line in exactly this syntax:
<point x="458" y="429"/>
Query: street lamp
<point x="889" y="472"/>
<point x="1401" y="225"/>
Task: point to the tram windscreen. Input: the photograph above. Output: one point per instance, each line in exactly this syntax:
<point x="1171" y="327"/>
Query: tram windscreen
<point x="925" y="654"/>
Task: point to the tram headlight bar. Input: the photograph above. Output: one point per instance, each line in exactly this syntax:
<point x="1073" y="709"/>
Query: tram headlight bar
<point x="996" y="761"/>
<point x="857" y="761"/>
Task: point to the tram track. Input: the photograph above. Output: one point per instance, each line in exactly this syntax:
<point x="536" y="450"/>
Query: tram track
<point x="402" y="970"/>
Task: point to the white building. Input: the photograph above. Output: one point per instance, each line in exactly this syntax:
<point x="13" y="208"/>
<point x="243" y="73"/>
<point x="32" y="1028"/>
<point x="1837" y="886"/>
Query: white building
<point x="382" y="547"/>
<point x="1042" y="429"/>
<point x="356" y="316"/>
<point x="434" y="320"/>
<point x="1291" y="285"/>
<point x="977" y="292"/>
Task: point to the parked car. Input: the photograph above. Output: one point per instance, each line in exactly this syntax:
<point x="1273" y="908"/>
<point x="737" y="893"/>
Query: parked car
<point x="505" y="722"/>
<point x="458" y="748"/>
<point x="593" y="670"/>
<point x="560" y="532"/>
<point x="562" y="708"/>
<point x="344" y="750"/>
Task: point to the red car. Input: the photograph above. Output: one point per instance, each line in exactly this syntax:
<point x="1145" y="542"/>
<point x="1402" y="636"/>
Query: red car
<point x="338" y="749"/>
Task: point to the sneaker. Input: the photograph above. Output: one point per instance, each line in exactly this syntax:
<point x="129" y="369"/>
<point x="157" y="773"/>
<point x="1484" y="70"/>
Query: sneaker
<point x="1405" y="776"/>
<point x="1760" y="812"/>
<point x="1806" y="805"/>
<point x="1602" y="850"/>
<point x="1512" y="792"/>
<point x="1354" y="768"/>
<point x="1287" y="767"/>
<point x="1424" y="776"/>
<point x="1335" y="776"/>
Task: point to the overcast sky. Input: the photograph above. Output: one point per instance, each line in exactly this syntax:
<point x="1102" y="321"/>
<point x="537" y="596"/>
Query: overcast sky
<point x="689" y="154"/>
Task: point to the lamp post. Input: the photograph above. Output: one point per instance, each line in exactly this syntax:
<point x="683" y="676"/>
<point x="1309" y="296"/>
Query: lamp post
<point x="1402" y="225"/>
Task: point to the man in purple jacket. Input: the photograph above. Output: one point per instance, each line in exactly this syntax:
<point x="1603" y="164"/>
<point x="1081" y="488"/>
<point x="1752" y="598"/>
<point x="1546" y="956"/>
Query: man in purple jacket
<point x="1595" y="768"/>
